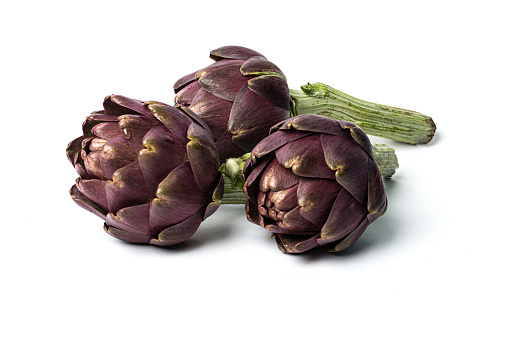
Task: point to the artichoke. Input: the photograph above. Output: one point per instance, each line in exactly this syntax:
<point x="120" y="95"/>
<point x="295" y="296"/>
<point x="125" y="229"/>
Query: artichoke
<point x="148" y="169"/>
<point x="240" y="97"/>
<point x="314" y="182"/>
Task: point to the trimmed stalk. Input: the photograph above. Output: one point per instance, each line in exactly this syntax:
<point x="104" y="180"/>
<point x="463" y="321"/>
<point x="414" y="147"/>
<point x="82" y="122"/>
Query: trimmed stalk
<point x="383" y="121"/>
<point x="384" y="155"/>
<point x="232" y="195"/>
<point x="386" y="159"/>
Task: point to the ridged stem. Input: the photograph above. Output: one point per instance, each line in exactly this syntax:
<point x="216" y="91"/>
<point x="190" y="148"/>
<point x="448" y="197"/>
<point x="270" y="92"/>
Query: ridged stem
<point x="380" y="120"/>
<point x="232" y="194"/>
<point x="385" y="158"/>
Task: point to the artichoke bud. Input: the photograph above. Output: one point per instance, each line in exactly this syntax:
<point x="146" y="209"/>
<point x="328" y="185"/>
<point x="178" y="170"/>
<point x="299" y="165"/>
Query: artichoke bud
<point x="313" y="182"/>
<point x="239" y="97"/>
<point x="149" y="170"/>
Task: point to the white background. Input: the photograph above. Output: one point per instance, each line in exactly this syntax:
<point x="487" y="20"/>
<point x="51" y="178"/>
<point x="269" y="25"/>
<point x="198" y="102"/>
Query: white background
<point x="434" y="266"/>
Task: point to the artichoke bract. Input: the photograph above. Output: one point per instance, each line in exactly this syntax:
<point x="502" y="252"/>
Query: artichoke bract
<point x="148" y="169"/>
<point x="240" y="97"/>
<point x="314" y="182"/>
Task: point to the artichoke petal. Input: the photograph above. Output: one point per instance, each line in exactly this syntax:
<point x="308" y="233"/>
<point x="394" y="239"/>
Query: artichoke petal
<point x="346" y="214"/>
<point x="286" y="199"/>
<point x="132" y="219"/>
<point x="174" y="202"/>
<point x="233" y="52"/>
<point x="186" y="94"/>
<point x="251" y="118"/>
<point x="276" y="178"/>
<point x="173" y="118"/>
<point x="273" y="89"/>
<point x="358" y="135"/>
<point x="305" y="157"/>
<point x="202" y="154"/>
<point x="315" y="123"/>
<point x="179" y="232"/>
<point x="219" y="64"/>
<point x="107" y="130"/>
<point x="269" y="225"/>
<point x="118" y="105"/>
<point x="227" y="148"/>
<point x="223" y="82"/>
<point x="73" y="149"/>
<point x="316" y="198"/>
<point x="258" y="65"/>
<point x="295" y="243"/>
<point x="293" y="220"/>
<point x="351" y="238"/>
<point x="127" y="188"/>
<point x="81" y="171"/>
<point x="94" y="119"/>
<point x="194" y="117"/>
<point x="98" y="117"/>
<point x="376" y="189"/>
<point x="95" y="190"/>
<point x="252" y="213"/>
<point x="274" y="141"/>
<point x="214" y="111"/>
<point x="92" y="164"/>
<point x="217" y="196"/>
<point x="159" y="145"/>
<point x="131" y="237"/>
<point x="261" y="198"/>
<point x="372" y="216"/>
<point x="116" y="154"/>
<point x="350" y="166"/>
<point x="134" y="128"/>
<point x="84" y="202"/>
<point x="137" y="217"/>
<point x="184" y="82"/>
<point x="252" y="179"/>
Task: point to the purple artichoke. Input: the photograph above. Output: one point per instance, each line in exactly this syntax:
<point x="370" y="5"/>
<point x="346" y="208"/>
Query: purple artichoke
<point x="240" y="97"/>
<point x="148" y="169"/>
<point x="314" y="182"/>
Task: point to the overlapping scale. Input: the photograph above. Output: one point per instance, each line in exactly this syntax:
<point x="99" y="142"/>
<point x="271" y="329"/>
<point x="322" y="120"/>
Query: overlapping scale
<point x="223" y="82"/>
<point x="345" y="215"/>
<point x="251" y="118"/>
<point x="233" y="52"/>
<point x="305" y="157"/>
<point x="258" y="65"/>
<point x="161" y="155"/>
<point x="127" y="188"/>
<point x="349" y="162"/>
<point x="116" y="153"/>
<point x="316" y="198"/>
<point x="203" y="157"/>
<point x="295" y="243"/>
<point x="179" y="232"/>
<point x="174" y="203"/>
<point x="211" y="110"/>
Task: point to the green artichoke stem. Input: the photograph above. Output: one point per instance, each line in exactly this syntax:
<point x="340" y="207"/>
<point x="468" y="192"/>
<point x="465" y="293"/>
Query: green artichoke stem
<point x="383" y="121"/>
<point x="384" y="155"/>
<point x="386" y="159"/>
<point x="232" y="193"/>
